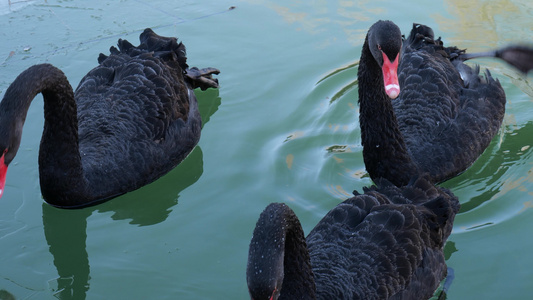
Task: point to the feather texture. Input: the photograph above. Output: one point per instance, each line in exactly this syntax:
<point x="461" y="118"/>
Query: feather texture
<point x="444" y="118"/>
<point x="132" y="119"/>
<point x="384" y="244"/>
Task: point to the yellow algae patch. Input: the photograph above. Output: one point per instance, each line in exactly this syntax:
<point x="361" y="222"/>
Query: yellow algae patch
<point x="337" y="159"/>
<point x="338" y="192"/>
<point x="359" y="174"/>
<point x="334" y="127"/>
<point x="289" y="159"/>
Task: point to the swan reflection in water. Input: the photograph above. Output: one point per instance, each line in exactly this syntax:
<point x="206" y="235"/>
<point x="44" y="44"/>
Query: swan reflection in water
<point x="66" y="230"/>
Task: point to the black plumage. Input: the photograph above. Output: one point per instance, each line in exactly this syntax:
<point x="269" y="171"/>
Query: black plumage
<point x="445" y="115"/>
<point x="384" y="244"/>
<point x="132" y="119"/>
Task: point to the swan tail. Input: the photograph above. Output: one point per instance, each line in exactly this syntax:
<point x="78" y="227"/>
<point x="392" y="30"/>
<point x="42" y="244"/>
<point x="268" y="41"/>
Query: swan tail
<point x="166" y="48"/>
<point x="422" y="36"/>
<point x="419" y="36"/>
<point x="169" y="49"/>
<point x="518" y="56"/>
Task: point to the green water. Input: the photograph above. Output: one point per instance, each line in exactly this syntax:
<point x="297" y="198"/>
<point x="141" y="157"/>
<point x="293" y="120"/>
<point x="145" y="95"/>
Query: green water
<point x="282" y="127"/>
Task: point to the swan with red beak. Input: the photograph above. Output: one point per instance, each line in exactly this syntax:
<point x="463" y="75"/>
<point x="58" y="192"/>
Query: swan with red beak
<point x="445" y="114"/>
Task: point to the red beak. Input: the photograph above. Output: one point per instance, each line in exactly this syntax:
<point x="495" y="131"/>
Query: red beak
<point x="3" y="171"/>
<point x="390" y="76"/>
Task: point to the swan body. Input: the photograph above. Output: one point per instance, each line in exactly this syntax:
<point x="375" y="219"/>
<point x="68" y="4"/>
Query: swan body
<point x="132" y="119"/>
<point x="384" y="244"/>
<point x="422" y="110"/>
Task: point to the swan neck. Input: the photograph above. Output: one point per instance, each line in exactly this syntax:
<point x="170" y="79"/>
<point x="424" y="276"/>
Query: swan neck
<point x="383" y="143"/>
<point x="60" y="170"/>
<point x="278" y="261"/>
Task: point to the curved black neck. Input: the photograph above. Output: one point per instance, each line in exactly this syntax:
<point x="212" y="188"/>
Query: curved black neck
<point x="60" y="167"/>
<point x="384" y="150"/>
<point x="278" y="258"/>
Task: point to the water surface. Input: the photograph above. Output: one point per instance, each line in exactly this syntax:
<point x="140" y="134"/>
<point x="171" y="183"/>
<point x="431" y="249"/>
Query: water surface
<point x="282" y="127"/>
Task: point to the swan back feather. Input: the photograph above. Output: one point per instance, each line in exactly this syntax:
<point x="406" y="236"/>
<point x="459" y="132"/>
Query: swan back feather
<point x="447" y="112"/>
<point x="384" y="244"/>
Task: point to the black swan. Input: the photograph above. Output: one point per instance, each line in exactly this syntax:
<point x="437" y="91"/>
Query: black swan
<point x="444" y="114"/>
<point x="384" y="244"/>
<point x="132" y="119"/>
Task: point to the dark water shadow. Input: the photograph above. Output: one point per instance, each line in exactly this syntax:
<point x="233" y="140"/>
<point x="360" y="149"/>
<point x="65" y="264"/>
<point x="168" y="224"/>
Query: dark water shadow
<point x="5" y="295"/>
<point x="65" y="233"/>
<point x="490" y="168"/>
<point x="66" y="230"/>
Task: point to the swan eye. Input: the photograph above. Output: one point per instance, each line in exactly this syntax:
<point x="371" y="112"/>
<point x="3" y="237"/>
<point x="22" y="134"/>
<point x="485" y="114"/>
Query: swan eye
<point x="379" y="47"/>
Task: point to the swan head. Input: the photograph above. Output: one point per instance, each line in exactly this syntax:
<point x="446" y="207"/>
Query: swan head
<point x="385" y="43"/>
<point x="267" y="279"/>
<point x="10" y="136"/>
